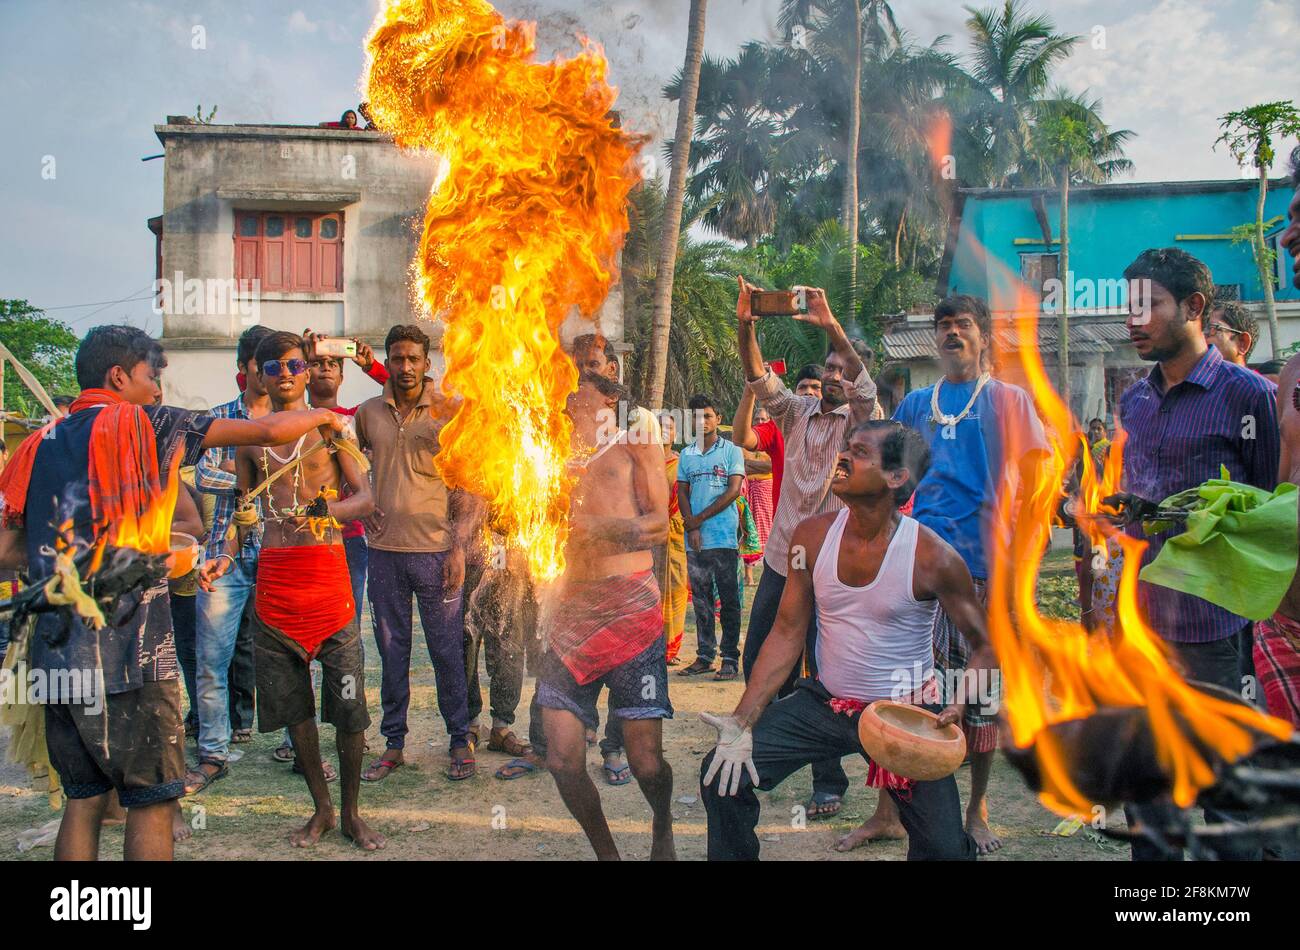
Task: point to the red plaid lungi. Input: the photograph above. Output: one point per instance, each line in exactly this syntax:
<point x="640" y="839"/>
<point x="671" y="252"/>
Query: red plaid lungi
<point x="603" y="623"/>
<point x="1277" y="664"/>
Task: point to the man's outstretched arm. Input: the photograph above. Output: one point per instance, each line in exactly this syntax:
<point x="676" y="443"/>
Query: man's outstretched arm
<point x="947" y="578"/>
<point x="277" y="428"/>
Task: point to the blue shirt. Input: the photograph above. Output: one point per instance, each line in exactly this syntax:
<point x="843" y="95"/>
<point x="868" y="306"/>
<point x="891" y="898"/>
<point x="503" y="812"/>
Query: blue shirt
<point x="1222" y="414"/>
<point x="957" y="496"/>
<point x="707" y="474"/>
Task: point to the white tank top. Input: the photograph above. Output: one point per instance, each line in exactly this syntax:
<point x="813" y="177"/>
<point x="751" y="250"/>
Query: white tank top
<point x="873" y="642"/>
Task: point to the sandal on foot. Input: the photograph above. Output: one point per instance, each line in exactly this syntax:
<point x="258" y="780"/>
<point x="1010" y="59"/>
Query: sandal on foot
<point x="617" y="776"/>
<point x="823" y="805"/>
<point x="240" y="736"/>
<point x="330" y="774"/>
<point x="284" y="754"/>
<point x="516" y="768"/>
<point x="696" y="668"/>
<point x="197" y="779"/>
<point x="380" y="769"/>
<point x="507" y="742"/>
<point x="462" y="764"/>
<point x="728" y="672"/>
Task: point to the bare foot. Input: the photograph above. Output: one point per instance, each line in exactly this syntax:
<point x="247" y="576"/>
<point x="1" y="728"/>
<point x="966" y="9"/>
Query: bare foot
<point x="874" y="828"/>
<point x="662" y="847"/>
<point x="361" y="835"/>
<point x="309" y="834"/>
<point x="181" y="830"/>
<point x="977" y="826"/>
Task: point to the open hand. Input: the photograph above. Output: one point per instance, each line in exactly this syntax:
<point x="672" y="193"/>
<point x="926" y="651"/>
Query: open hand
<point x="734" y="752"/>
<point x="210" y="571"/>
<point x="819" y="311"/>
<point x="743" y="313"/>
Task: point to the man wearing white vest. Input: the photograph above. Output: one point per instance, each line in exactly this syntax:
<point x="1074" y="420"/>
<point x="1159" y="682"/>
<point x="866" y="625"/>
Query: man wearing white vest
<point x="875" y="578"/>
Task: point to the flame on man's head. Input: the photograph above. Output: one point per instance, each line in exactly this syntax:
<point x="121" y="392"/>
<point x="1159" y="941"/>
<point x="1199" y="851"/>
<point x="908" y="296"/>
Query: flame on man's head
<point x="525" y="226"/>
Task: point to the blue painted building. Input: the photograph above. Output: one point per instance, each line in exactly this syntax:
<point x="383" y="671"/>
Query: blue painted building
<point x="998" y="237"/>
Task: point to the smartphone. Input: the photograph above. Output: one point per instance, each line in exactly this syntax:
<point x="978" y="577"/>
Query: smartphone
<point x="777" y="366"/>
<point x="336" y="346"/>
<point x="778" y="303"/>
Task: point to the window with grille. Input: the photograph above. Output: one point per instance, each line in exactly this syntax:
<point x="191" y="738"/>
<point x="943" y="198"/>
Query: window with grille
<point x="290" y="250"/>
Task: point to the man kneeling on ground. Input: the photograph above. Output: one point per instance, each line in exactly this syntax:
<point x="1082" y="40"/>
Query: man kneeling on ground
<point x="875" y="578"/>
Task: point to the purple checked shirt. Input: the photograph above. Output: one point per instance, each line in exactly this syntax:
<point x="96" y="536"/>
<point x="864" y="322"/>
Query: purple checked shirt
<point x="1222" y="414"/>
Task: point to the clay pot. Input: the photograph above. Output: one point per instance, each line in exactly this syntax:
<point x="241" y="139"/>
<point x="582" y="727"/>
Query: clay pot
<point x="904" y="740"/>
<point x="184" y="554"/>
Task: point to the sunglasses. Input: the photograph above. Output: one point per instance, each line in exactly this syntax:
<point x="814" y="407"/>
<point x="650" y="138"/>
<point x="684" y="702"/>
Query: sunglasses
<point x="276" y="367"/>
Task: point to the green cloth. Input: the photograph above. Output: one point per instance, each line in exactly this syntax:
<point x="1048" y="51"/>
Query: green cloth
<point x="1239" y="549"/>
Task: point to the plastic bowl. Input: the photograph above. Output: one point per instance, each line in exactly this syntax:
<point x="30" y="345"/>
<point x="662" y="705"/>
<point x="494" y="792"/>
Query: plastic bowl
<point x="904" y="740"/>
<point x="184" y="554"/>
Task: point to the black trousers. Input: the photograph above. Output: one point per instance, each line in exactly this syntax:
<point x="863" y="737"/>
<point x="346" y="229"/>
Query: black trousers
<point x="828" y="775"/>
<point x="1220" y="664"/>
<point x="801" y="729"/>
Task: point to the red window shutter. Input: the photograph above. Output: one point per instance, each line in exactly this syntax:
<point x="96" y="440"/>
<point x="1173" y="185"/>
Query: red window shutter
<point x="330" y="254"/>
<point x="304" y="269"/>
<point x="275" y="243"/>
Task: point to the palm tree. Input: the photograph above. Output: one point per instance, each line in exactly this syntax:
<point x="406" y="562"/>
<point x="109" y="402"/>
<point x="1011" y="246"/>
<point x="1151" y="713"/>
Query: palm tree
<point x="739" y="148"/>
<point x="663" y="291"/>
<point x="1071" y="144"/>
<point x="702" y="335"/>
<point x="841" y="31"/>
<point x="1014" y="53"/>
<point x="1249" y="135"/>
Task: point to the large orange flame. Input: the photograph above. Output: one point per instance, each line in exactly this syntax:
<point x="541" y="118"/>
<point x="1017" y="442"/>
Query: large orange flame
<point x="1056" y="670"/>
<point x="525" y="226"/>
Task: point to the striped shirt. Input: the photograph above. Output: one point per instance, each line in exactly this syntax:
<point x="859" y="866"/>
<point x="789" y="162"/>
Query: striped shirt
<point x="1221" y="415"/>
<point x="210" y="478"/>
<point x="813" y="440"/>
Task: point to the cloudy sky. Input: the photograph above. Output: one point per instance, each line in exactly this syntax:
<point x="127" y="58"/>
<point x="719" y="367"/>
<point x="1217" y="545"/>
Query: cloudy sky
<point x="86" y="80"/>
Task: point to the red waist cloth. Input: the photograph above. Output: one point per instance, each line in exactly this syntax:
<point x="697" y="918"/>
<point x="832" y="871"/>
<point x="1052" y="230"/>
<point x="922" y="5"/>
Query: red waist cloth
<point x="305" y="592"/>
<point x="602" y="624"/>
<point x="878" y="777"/>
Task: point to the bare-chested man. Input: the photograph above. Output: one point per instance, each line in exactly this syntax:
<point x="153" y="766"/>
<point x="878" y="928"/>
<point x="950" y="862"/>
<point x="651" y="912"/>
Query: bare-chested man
<point x="304" y="610"/>
<point x="606" y="626"/>
<point x="1277" y="640"/>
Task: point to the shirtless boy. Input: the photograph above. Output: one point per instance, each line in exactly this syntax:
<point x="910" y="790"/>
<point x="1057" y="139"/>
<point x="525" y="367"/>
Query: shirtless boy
<point x="303" y="609"/>
<point x="607" y="626"/>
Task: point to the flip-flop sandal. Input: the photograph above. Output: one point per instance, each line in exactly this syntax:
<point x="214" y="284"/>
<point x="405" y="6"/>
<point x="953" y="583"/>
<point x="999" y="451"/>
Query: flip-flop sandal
<point x="460" y="761"/>
<point x="388" y="766"/>
<point x="617" y="776"/>
<point x="206" y="777"/>
<point x="726" y="673"/>
<point x="520" y="767"/>
<point x="330" y="774"/>
<point x="284" y="754"/>
<point x="240" y="736"/>
<point x="509" y="743"/>
<point x="823" y="805"/>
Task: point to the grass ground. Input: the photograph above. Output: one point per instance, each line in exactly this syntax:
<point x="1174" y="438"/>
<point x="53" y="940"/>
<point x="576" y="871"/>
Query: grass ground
<point x="248" y="815"/>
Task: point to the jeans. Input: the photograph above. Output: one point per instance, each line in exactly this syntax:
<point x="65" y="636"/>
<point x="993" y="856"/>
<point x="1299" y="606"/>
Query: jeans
<point x="704" y="569"/>
<point x="357" y="553"/>
<point x="1219" y="664"/>
<point x="828" y="776"/>
<point x="801" y="729"/>
<point x="491" y="596"/>
<point x="224" y="678"/>
<point x="395" y="577"/>
<point x="185" y="629"/>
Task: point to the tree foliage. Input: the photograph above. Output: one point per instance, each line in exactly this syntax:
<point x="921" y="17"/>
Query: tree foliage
<point x="45" y="346"/>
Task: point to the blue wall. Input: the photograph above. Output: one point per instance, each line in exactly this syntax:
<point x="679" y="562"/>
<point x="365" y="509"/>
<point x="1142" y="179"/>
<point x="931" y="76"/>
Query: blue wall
<point x="1107" y="231"/>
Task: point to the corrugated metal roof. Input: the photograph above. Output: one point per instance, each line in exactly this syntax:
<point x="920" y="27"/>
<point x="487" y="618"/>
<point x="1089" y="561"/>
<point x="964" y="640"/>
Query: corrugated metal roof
<point x="918" y="344"/>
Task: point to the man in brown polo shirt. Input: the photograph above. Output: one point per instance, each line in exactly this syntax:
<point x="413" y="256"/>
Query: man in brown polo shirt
<point x="417" y="549"/>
